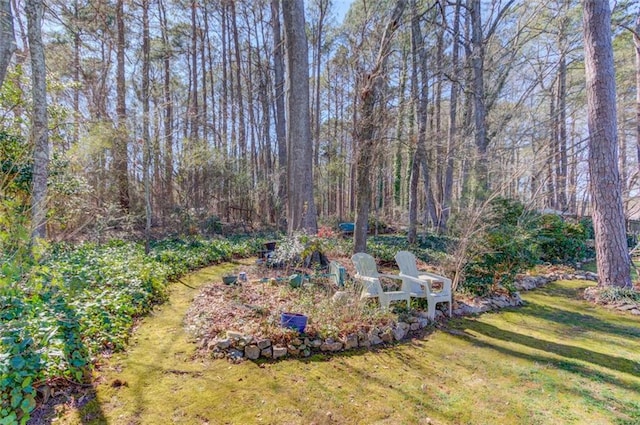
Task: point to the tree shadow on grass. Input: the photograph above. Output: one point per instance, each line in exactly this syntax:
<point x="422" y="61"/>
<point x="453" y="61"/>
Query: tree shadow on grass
<point x="567" y="353"/>
<point x="587" y="322"/>
<point x="625" y="410"/>
<point x="569" y="359"/>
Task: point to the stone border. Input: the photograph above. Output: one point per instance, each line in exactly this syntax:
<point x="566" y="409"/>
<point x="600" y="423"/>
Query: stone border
<point x="238" y="347"/>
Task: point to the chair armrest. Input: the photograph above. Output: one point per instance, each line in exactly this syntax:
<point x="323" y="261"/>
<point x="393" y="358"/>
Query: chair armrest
<point x="446" y="282"/>
<point x="421" y="282"/>
<point x="366" y="278"/>
<point x="390" y="276"/>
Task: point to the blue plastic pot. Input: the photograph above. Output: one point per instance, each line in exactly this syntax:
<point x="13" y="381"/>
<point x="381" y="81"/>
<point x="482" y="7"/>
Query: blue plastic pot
<point x="294" y="321"/>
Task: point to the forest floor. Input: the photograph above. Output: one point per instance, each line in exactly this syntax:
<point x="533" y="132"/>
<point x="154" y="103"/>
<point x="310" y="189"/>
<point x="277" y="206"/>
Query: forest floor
<point x="556" y="360"/>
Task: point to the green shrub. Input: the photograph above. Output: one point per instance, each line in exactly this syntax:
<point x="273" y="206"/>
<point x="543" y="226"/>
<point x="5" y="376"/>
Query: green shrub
<point x="504" y="252"/>
<point x="559" y="240"/>
<point x="501" y="250"/>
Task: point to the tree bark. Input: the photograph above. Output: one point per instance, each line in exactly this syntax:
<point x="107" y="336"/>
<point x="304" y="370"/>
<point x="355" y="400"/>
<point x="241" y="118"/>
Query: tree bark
<point x="120" y="150"/>
<point x="636" y="43"/>
<point x="398" y="162"/>
<point x="561" y="185"/>
<point x="39" y="122"/>
<point x="7" y="38"/>
<point x="612" y="257"/>
<point x="281" y="132"/>
<point x="146" y="156"/>
<point x="301" y="211"/>
<point x="242" y="137"/>
<point x="479" y="107"/>
<point x="453" y="116"/>
<point x="76" y="72"/>
<point x="168" y="112"/>
<point x="419" y="96"/>
<point x="322" y="7"/>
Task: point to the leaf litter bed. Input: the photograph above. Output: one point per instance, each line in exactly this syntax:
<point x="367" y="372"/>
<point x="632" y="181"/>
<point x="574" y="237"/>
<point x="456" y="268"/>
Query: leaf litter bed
<point x="226" y="320"/>
<point x="254" y="307"/>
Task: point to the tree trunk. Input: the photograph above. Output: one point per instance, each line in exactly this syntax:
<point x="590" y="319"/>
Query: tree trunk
<point x="636" y="42"/>
<point x="39" y="123"/>
<point x="281" y="134"/>
<point x="76" y="72"/>
<point x="322" y="6"/>
<point x="7" y="38"/>
<point x="479" y="107"/>
<point x="224" y="108"/>
<point x="419" y="97"/>
<point x="146" y="156"/>
<point x="453" y="111"/>
<point x="397" y="182"/>
<point x="365" y="131"/>
<point x="561" y="186"/>
<point x="194" y="112"/>
<point x="552" y="153"/>
<point x="120" y="149"/>
<point x="168" y="113"/>
<point x="242" y="137"/>
<point x="301" y="211"/>
<point x="612" y="257"/>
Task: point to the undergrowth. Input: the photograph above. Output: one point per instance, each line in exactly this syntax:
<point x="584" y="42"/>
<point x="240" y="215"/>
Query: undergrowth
<point x="612" y="294"/>
<point x="80" y="301"/>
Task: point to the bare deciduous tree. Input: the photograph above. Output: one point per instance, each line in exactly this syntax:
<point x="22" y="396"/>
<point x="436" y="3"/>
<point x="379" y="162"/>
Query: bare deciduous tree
<point x="120" y="149"/>
<point x="365" y="133"/>
<point x="7" y="38"/>
<point x="39" y="123"/>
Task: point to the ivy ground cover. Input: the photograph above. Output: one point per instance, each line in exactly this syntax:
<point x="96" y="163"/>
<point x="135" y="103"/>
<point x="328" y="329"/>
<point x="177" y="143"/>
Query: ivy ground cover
<point x="82" y="301"/>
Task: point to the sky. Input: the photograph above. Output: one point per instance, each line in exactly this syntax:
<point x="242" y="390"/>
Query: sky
<point x="341" y="7"/>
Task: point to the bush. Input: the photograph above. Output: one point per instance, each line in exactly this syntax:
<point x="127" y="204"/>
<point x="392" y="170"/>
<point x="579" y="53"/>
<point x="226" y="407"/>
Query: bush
<point x="559" y="241"/>
<point x="385" y="247"/>
<point x="501" y="250"/>
<point x="502" y="253"/>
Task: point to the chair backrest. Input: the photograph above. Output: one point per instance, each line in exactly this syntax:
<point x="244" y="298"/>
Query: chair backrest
<point x="365" y="265"/>
<point x="407" y="263"/>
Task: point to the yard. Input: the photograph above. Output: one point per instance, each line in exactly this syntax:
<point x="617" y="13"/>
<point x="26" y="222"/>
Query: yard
<point x="557" y="360"/>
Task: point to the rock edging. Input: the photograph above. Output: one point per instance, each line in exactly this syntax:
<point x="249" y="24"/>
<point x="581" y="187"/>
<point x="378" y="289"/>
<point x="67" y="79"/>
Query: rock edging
<point x="237" y="347"/>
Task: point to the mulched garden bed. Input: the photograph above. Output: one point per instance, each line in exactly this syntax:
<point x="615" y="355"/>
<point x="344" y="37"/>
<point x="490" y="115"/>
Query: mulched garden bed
<point x="253" y="308"/>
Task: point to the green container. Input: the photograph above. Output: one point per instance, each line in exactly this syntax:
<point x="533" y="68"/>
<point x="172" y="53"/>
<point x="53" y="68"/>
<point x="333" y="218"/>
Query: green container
<point x="230" y="279"/>
<point x="295" y="280"/>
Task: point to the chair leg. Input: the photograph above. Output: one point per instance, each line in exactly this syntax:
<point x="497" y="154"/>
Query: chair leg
<point x="431" y="309"/>
<point x="384" y="302"/>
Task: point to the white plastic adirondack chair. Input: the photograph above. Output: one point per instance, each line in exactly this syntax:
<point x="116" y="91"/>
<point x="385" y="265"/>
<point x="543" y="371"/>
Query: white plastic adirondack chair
<point x="367" y="274"/>
<point x="420" y="284"/>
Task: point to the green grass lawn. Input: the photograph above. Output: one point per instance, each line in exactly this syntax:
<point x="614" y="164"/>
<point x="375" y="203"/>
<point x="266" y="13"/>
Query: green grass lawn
<point x="558" y="360"/>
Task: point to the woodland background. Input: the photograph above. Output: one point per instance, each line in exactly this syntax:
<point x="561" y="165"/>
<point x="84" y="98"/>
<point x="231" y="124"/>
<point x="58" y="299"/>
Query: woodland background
<point x="202" y="85"/>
